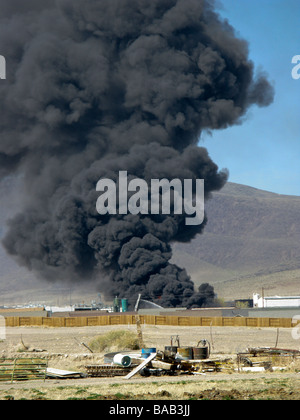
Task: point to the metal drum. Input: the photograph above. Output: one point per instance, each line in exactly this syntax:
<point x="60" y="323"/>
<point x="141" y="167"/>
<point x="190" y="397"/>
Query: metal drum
<point x="109" y="357"/>
<point x="200" y="353"/>
<point x="146" y="352"/>
<point x="171" y="350"/>
<point x="185" y="353"/>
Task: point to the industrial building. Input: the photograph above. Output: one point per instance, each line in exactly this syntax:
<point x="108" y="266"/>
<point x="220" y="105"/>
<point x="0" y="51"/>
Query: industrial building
<point x="275" y="301"/>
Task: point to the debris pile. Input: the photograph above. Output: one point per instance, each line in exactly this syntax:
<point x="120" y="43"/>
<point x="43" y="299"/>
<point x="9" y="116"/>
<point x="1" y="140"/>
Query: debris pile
<point x="174" y="360"/>
<point x="266" y="358"/>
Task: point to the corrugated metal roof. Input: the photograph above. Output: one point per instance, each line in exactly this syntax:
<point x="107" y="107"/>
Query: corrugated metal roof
<point x="282" y="297"/>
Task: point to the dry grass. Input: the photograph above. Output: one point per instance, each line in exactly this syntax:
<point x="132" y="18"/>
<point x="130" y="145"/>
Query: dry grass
<point x="114" y="341"/>
<point x="211" y="387"/>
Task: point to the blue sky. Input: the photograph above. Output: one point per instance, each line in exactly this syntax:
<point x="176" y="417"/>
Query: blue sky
<point x="264" y="152"/>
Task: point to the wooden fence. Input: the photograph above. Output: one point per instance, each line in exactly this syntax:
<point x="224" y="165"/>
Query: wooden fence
<point x="122" y="319"/>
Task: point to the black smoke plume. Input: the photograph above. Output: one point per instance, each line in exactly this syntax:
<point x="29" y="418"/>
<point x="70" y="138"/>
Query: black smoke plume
<point x="98" y="86"/>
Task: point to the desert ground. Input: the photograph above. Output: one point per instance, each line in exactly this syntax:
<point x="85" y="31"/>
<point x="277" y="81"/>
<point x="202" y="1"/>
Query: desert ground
<point x="63" y="349"/>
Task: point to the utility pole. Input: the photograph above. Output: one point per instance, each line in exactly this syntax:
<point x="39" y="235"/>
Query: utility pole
<point x="138" y="322"/>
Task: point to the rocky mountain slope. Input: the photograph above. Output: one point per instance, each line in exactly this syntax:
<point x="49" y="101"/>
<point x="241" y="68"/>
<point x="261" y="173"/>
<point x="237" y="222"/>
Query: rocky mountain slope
<point x="251" y="241"/>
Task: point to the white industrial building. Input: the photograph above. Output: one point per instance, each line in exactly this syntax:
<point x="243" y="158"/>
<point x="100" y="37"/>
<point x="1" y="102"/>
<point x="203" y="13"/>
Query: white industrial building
<point x="275" y="301"/>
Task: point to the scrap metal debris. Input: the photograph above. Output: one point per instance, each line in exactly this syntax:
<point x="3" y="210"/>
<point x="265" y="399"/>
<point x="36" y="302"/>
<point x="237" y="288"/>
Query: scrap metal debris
<point x="273" y="350"/>
<point x="106" y="370"/>
<point x="63" y="374"/>
<point x="141" y="366"/>
<point x="266" y="358"/>
<point x="174" y="360"/>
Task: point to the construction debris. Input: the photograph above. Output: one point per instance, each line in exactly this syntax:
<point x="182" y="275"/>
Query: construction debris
<point x="274" y="351"/>
<point x="140" y="366"/>
<point x="63" y="374"/>
<point x="106" y="371"/>
<point x="174" y="360"/>
<point x="265" y="358"/>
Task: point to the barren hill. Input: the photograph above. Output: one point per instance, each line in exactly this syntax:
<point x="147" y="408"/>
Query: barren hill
<point x="251" y="241"/>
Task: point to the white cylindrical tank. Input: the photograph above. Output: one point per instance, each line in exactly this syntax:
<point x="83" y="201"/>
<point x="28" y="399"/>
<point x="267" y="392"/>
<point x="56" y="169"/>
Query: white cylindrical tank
<point x="122" y="360"/>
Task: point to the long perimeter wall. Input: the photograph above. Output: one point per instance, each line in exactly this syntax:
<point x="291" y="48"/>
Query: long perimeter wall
<point x="122" y="319"/>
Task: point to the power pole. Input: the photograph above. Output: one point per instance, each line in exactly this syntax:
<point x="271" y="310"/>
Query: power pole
<point x="138" y="323"/>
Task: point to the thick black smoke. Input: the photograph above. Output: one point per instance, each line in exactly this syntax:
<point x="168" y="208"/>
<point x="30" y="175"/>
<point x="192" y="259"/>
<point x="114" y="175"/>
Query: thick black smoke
<point x="98" y="86"/>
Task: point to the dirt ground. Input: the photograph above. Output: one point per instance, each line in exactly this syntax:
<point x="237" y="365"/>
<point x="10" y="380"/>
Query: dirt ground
<point x="62" y="348"/>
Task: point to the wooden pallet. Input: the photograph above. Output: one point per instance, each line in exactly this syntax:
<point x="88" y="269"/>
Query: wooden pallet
<point x="106" y="370"/>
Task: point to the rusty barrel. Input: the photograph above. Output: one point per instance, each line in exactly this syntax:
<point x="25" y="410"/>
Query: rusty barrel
<point x="186" y="353"/>
<point x="200" y="353"/>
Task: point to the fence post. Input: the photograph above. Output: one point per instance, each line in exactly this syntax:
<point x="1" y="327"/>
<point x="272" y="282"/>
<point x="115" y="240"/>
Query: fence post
<point x="2" y="328"/>
<point x="13" y="372"/>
